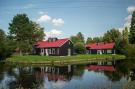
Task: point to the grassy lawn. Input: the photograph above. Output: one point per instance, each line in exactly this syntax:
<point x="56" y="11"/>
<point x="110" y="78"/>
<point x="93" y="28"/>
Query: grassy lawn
<point x="36" y="58"/>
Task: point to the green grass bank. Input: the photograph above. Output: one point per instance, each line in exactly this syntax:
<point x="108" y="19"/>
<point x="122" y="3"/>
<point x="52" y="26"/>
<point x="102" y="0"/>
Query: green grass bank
<point x="34" y="59"/>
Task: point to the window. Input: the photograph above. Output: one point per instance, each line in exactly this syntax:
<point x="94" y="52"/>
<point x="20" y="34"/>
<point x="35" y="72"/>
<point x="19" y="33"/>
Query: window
<point x="103" y="51"/>
<point x="53" y="51"/>
<point x="49" y="51"/>
<point x="109" y="51"/>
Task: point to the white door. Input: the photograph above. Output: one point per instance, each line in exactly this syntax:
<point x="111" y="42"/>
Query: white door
<point x="46" y="52"/>
<point x="69" y="52"/>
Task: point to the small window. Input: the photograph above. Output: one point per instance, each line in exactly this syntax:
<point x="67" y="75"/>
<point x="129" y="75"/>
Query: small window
<point x="109" y="51"/>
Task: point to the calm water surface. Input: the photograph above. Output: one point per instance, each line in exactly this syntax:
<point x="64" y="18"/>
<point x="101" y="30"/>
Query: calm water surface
<point x="101" y="75"/>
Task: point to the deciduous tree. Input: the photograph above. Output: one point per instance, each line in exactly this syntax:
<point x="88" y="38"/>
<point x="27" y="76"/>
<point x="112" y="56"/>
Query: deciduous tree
<point x="25" y="32"/>
<point x="111" y="35"/>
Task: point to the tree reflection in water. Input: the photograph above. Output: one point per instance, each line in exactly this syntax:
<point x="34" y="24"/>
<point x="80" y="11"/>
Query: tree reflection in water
<point x="64" y="77"/>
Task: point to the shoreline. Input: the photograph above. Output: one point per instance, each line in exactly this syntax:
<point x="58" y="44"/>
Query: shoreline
<point x="63" y="61"/>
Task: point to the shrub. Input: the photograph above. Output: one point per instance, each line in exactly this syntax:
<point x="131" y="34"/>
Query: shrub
<point x="130" y="51"/>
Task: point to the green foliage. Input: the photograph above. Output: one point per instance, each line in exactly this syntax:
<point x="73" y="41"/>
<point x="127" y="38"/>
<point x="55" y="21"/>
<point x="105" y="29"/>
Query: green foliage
<point x="97" y="39"/>
<point x="79" y="48"/>
<point x="89" y="40"/>
<point x="2" y="36"/>
<point x="122" y="42"/>
<point x="25" y="32"/>
<point x="77" y="38"/>
<point x="130" y="51"/>
<point x="74" y="39"/>
<point x="125" y="35"/>
<point x="132" y="29"/>
<point x="111" y="35"/>
<point x="81" y="37"/>
<point x="78" y="42"/>
<point x="94" y="40"/>
<point x="5" y="47"/>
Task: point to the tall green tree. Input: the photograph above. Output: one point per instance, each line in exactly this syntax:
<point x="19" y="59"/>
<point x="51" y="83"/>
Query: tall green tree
<point x="5" y="48"/>
<point x="132" y="29"/>
<point x="74" y="39"/>
<point x="79" y="48"/>
<point x="81" y="37"/>
<point x="125" y="35"/>
<point x="78" y="41"/>
<point x="111" y="35"/>
<point x="24" y="32"/>
<point x="89" y="40"/>
<point x="97" y="39"/>
<point x="2" y="36"/>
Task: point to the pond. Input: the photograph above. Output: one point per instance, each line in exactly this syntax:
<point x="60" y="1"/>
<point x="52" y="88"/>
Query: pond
<point x="96" y="75"/>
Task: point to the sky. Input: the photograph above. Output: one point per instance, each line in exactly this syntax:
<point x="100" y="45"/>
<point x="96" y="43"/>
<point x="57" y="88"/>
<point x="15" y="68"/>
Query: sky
<point x="65" y="18"/>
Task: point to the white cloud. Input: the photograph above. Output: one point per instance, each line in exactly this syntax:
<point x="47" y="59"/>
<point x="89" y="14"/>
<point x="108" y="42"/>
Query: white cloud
<point x="58" y="22"/>
<point x="44" y="18"/>
<point x="131" y="9"/>
<point x="128" y="21"/>
<point x="53" y="33"/>
<point x="121" y="29"/>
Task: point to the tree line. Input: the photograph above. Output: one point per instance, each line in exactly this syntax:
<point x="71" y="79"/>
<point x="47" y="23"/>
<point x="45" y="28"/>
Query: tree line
<point x="23" y="33"/>
<point x="124" y="40"/>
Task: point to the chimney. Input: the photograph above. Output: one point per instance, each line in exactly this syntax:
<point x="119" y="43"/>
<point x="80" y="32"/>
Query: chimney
<point x="52" y="39"/>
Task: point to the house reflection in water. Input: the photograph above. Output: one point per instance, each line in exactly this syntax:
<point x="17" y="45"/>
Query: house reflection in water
<point x="66" y="77"/>
<point x="100" y="67"/>
<point x="54" y="73"/>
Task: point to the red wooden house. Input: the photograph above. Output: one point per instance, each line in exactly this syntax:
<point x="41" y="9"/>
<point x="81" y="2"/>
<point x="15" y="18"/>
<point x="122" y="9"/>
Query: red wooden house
<point x="54" y="47"/>
<point x="100" y="48"/>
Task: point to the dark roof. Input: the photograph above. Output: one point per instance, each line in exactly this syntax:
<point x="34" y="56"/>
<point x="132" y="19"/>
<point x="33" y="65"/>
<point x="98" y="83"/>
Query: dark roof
<point x="46" y="44"/>
<point x="100" y="46"/>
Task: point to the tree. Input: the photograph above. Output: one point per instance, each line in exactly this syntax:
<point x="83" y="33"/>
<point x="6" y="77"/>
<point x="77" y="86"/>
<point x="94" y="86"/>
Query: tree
<point x="79" y="48"/>
<point x="81" y="37"/>
<point x="130" y="51"/>
<point x="38" y="34"/>
<point x="5" y="49"/>
<point x="111" y="35"/>
<point x="74" y="39"/>
<point x="78" y="41"/>
<point x="97" y="39"/>
<point x="89" y="40"/>
<point x="122" y="41"/>
<point x="132" y="29"/>
<point x="125" y="35"/>
<point x="24" y="32"/>
<point x="2" y="36"/>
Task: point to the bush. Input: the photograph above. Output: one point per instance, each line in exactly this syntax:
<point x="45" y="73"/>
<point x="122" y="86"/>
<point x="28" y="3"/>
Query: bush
<point x="130" y="51"/>
<point x="5" y="51"/>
